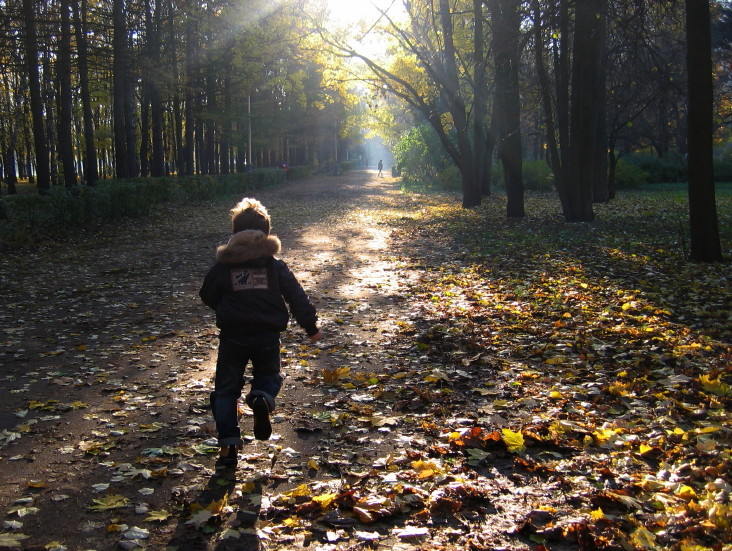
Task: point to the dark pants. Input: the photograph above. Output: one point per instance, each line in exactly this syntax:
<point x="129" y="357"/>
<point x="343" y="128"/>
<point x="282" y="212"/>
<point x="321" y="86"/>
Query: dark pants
<point x="263" y="351"/>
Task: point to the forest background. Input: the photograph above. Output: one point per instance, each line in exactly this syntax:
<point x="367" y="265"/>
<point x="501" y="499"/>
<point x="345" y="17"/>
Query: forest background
<point x="581" y="97"/>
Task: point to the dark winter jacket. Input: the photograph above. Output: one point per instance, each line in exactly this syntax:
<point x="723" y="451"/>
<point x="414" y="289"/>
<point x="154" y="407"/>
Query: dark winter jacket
<point x="250" y="290"/>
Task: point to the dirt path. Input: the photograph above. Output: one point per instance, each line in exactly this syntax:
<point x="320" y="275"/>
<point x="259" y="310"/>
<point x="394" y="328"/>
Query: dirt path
<point x="106" y="357"/>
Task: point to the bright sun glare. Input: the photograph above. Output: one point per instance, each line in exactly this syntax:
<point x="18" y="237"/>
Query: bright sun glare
<point x="352" y="12"/>
<point x="363" y="15"/>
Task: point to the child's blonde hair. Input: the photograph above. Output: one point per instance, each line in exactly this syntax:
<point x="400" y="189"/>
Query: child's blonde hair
<point x="249" y="214"/>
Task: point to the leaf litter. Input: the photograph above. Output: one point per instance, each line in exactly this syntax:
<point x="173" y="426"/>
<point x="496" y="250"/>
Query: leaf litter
<point x="484" y="384"/>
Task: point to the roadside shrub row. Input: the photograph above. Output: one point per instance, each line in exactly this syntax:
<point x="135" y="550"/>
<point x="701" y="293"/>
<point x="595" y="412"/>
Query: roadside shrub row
<point x="25" y="218"/>
<point x="631" y="172"/>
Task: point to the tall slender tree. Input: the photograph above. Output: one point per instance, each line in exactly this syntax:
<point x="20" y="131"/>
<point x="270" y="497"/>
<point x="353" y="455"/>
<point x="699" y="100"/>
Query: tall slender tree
<point x="704" y="226"/>
<point x="43" y="168"/>
<point x="91" y="172"/>
<point x="157" y="165"/>
<point x="584" y="114"/>
<point x="123" y="168"/>
<point x="506" y="51"/>
<point x="65" y="101"/>
<point x="480" y="134"/>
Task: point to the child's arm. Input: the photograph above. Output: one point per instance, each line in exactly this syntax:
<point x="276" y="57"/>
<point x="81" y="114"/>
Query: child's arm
<point x="299" y="303"/>
<point x="210" y="292"/>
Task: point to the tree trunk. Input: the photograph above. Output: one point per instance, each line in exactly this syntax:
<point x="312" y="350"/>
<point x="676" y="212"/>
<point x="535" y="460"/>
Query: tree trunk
<point x="119" y="45"/>
<point x="211" y="126"/>
<point x="481" y="99"/>
<point x="157" y="163"/>
<point x="91" y="172"/>
<point x="43" y="169"/>
<point x="146" y="78"/>
<point x="555" y="161"/>
<point x="453" y="98"/>
<point x="130" y="104"/>
<point x="50" y="100"/>
<point x="65" y="115"/>
<point x="190" y="123"/>
<point x="145" y="129"/>
<point x="9" y="135"/>
<point x="612" y="165"/>
<point x="600" y="183"/>
<point x="583" y="135"/>
<point x="10" y="174"/>
<point x="225" y="156"/>
<point x="705" y="243"/>
<point x="506" y="36"/>
<point x="490" y="147"/>
<point x="562" y="86"/>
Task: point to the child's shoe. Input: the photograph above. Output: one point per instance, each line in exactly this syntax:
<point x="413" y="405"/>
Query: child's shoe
<point x="228" y="455"/>
<point x="262" y="425"/>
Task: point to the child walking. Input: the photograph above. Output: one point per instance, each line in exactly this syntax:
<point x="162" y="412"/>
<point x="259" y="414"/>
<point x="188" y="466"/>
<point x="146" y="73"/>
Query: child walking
<point x="251" y="290"/>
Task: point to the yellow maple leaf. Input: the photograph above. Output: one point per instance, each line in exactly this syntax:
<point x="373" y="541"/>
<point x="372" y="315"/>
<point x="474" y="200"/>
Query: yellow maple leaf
<point x="514" y="440"/>
<point x="325" y="500"/>
<point x="217" y="506"/>
<point x="715" y="386"/>
<point x="291" y="522"/>
<point x="301" y="491"/>
<point x="619" y="388"/>
<point x="597" y="514"/>
<point x="111" y="501"/>
<point x="685" y="492"/>
<point x="157" y="516"/>
<point x="643" y="539"/>
<point x="332" y="376"/>
<point x="427" y="469"/>
<point x="645" y="448"/>
<point x="603" y="435"/>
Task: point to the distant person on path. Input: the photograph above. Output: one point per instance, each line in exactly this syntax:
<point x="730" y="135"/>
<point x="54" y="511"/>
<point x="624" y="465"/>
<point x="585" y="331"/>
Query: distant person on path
<point x="381" y="167"/>
<point x="253" y="294"/>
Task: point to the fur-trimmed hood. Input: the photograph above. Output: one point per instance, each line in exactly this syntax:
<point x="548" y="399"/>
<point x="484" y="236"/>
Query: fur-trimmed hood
<point x="248" y="245"/>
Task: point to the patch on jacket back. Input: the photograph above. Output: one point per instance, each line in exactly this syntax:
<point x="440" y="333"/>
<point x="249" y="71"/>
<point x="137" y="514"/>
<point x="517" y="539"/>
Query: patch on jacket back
<point x="245" y="279"/>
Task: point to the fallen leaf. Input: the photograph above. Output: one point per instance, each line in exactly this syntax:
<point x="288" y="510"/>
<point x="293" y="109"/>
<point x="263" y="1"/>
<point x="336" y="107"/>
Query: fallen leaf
<point x="109" y="502"/>
<point x="514" y="441"/>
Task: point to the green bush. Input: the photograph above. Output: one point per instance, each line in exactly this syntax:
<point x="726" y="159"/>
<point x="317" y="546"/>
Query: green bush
<point x="722" y="170"/>
<point x="537" y="176"/>
<point x="420" y="156"/>
<point x="299" y="172"/>
<point x="450" y="179"/>
<point x="349" y="165"/>
<point x="25" y="218"/>
<point x="660" y="170"/>
<point x="629" y="176"/>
